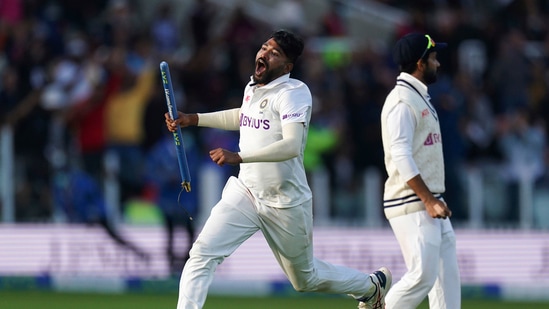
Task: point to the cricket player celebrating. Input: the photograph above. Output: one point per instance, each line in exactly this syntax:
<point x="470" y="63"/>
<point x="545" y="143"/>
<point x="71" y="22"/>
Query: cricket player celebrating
<point x="271" y="193"/>
<point x="413" y="200"/>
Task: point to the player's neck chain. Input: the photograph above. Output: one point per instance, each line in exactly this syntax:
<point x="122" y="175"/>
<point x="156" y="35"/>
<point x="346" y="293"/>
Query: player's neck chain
<point x="431" y="108"/>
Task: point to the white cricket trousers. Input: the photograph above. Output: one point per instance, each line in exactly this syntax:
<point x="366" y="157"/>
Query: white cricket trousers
<point x="429" y="249"/>
<point x="288" y="231"/>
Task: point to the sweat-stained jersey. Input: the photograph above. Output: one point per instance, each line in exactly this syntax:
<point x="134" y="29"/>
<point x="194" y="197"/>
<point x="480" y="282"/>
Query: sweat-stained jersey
<point x="263" y="112"/>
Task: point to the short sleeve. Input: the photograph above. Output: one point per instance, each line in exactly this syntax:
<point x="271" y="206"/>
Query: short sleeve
<point x="295" y="105"/>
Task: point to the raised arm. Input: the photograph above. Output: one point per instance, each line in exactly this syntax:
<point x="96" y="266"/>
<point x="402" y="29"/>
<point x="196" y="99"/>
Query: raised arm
<point x="226" y="120"/>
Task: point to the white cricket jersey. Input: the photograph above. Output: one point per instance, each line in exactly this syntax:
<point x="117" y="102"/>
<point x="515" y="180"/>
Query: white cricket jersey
<point x="426" y="147"/>
<point x="263" y="112"/>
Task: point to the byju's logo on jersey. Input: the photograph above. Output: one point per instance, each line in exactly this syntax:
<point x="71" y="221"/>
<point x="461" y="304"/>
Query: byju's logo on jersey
<point x="254" y="123"/>
<point x="432" y="138"/>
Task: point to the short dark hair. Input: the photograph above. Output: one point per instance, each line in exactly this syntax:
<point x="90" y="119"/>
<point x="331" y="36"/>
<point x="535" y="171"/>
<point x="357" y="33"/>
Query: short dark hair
<point x="290" y="43"/>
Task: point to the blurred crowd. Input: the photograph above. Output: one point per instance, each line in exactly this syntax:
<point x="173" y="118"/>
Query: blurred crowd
<point x="82" y="91"/>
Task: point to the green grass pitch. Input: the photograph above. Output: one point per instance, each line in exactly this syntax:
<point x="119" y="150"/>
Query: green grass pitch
<point x="54" y="300"/>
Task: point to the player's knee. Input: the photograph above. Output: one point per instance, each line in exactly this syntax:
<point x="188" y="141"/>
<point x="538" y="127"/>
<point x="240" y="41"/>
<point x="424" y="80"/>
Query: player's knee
<point x="425" y="279"/>
<point x="305" y="285"/>
<point x="203" y="258"/>
<point x="300" y="289"/>
<point x="304" y="288"/>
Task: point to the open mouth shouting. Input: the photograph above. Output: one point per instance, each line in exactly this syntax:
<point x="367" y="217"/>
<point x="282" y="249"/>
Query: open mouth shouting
<point x="260" y="68"/>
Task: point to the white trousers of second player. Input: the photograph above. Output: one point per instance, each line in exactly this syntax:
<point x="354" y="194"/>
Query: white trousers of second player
<point x="429" y="249"/>
<point x="288" y="231"/>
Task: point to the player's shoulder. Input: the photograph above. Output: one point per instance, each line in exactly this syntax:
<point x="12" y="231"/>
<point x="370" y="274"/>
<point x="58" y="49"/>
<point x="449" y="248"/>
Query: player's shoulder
<point x="396" y="96"/>
<point x="295" y="85"/>
<point x="402" y="92"/>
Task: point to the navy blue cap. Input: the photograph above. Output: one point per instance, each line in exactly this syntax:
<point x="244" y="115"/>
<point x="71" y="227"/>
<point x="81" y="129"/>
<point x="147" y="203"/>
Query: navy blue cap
<point x="411" y="47"/>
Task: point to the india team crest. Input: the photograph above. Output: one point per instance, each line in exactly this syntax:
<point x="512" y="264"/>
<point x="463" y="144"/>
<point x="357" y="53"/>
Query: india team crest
<point x="263" y="104"/>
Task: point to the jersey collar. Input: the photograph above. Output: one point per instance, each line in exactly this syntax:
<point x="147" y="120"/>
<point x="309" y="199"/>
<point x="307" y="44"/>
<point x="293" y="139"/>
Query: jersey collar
<point x="415" y="82"/>
<point x="282" y="79"/>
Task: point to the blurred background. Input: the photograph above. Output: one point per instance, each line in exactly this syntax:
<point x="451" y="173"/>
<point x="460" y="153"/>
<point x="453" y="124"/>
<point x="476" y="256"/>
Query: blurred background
<point x="87" y="166"/>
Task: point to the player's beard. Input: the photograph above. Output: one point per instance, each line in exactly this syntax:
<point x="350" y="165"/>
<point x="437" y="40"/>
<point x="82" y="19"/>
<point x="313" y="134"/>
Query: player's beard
<point x="430" y="76"/>
<point x="268" y="75"/>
